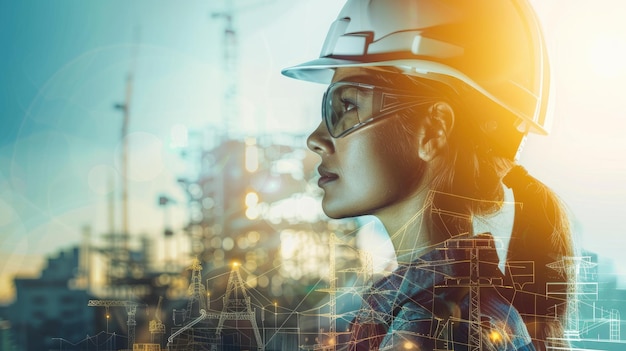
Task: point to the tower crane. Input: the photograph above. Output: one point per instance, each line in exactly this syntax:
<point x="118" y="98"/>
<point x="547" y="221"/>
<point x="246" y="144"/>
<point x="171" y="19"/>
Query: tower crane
<point x="131" y="309"/>
<point x="229" y="67"/>
<point x="118" y="249"/>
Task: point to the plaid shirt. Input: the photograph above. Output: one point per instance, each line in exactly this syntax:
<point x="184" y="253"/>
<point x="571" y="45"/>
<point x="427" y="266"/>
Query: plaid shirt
<point x="425" y="305"/>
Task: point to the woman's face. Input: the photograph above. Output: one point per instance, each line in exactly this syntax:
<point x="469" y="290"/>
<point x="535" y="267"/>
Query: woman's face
<point x="363" y="172"/>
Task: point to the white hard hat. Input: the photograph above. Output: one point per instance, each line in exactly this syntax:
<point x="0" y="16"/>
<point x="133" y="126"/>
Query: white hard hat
<point x="494" y="49"/>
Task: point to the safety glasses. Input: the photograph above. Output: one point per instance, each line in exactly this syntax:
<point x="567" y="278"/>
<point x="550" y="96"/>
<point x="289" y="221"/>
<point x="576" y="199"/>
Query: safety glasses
<point x="348" y="106"/>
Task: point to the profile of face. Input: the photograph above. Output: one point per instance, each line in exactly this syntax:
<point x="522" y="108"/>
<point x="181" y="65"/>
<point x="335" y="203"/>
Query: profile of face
<point x="374" y="169"/>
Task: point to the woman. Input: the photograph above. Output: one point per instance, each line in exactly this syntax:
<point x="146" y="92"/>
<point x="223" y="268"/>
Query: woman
<point x="428" y="105"/>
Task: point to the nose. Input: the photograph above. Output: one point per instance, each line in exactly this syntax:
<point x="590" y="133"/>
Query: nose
<point x="319" y="141"/>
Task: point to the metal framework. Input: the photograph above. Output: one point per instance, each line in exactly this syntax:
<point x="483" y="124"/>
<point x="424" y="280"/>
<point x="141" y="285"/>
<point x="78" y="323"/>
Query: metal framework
<point x="238" y="308"/>
<point x="131" y="309"/>
<point x="196" y="290"/>
<point x="570" y="267"/>
<point x="474" y="282"/>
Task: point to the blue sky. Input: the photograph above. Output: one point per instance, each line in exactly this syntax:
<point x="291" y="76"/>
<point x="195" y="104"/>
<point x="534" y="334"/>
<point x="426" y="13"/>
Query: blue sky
<point x="64" y="63"/>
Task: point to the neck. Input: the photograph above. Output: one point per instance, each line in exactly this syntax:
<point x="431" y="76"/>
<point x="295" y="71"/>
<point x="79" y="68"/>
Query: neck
<point x="412" y="228"/>
<point x="407" y="225"/>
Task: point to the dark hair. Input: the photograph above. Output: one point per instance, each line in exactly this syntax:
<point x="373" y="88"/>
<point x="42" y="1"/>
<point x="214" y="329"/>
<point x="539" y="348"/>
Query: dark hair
<point x="469" y="182"/>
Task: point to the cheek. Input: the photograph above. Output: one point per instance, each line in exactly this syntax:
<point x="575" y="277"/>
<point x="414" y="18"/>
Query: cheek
<point x="379" y="174"/>
<point x="387" y="159"/>
<point x="393" y="175"/>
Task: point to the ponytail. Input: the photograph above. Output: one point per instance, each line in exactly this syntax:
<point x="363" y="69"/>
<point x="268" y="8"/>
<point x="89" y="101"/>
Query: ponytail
<point x="541" y="234"/>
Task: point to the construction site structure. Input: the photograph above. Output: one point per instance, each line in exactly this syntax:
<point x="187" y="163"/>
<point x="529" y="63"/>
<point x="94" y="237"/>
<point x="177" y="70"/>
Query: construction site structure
<point x="131" y="310"/>
<point x="366" y="271"/>
<point x="118" y="250"/>
<point x="188" y="326"/>
<point x="475" y="248"/>
<point x="230" y="114"/>
<point x="196" y="291"/>
<point x="237" y="306"/>
<point x="574" y="291"/>
<point x="193" y="334"/>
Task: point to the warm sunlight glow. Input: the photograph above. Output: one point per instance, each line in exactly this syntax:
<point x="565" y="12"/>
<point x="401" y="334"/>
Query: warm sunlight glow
<point x="495" y="337"/>
<point x="409" y="345"/>
<point x="607" y="55"/>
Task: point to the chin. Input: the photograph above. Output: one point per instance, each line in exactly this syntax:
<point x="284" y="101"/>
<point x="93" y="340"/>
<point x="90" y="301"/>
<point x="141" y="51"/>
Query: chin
<point x="332" y="214"/>
<point x="338" y="212"/>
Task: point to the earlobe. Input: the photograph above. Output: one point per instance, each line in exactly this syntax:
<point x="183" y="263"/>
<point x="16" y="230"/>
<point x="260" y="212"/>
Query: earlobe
<point x="435" y="130"/>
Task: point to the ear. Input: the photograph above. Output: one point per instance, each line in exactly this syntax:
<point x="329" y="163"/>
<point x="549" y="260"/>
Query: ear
<point x="434" y="131"/>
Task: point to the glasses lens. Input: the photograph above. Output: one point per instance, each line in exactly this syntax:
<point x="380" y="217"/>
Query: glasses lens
<point x="346" y="106"/>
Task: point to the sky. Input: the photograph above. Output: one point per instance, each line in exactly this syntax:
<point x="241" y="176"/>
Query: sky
<point x="64" y="66"/>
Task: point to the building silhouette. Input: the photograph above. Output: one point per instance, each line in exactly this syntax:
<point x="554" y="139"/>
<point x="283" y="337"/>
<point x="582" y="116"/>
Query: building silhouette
<point x="50" y="306"/>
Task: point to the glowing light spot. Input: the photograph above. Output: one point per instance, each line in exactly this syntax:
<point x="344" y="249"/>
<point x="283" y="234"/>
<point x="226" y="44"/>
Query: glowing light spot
<point x="252" y="199"/>
<point x="409" y="345"/>
<point x="243" y="243"/>
<point x="254" y="236"/>
<point x="228" y="243"/>
<point x="252" y="213"/>
<point x="495" y="336"/>
<point x="288" y="243"/>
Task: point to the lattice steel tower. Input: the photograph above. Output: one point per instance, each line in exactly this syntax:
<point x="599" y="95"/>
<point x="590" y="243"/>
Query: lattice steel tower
<point x="237" y="306"/>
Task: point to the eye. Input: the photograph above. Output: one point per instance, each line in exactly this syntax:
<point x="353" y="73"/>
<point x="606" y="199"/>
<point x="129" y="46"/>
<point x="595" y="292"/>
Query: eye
<point x="348" y="105"/>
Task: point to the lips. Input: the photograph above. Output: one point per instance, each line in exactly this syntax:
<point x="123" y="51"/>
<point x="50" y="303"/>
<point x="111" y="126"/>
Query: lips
<point x="325" y="176"/>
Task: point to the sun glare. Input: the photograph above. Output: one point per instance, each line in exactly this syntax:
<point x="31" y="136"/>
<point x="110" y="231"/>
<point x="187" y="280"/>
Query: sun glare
<point x="607" y="55"/>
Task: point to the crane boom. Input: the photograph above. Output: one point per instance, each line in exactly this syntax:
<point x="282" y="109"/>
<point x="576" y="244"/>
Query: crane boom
<point x="131" y="309"/>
